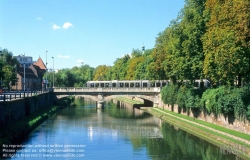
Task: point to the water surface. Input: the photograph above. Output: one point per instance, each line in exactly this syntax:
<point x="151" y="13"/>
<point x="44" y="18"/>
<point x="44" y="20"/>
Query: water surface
<point x="115" y="132"/>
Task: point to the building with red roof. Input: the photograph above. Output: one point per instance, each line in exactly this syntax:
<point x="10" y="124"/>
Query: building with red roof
<point x="33" y="76"/>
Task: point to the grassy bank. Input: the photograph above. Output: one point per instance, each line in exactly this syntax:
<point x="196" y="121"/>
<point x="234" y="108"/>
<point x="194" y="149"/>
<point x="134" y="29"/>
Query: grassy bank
<point x="211" y="125"/>
<point x="215" y="134"/>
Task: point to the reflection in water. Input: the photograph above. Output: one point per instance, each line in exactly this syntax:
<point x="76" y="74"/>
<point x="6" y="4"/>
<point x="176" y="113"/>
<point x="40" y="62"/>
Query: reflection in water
<point x="120" y="132"/>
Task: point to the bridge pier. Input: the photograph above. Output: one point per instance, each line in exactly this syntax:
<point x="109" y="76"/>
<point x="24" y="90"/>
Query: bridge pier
<point x="100" y="101"/>
<point x="156" y="100"/>
<point x="155" y="104"/>
<point x="100" y="104"/>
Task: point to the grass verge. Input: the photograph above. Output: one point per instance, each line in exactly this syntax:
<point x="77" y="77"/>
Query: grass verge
<point x="211" y="125"/>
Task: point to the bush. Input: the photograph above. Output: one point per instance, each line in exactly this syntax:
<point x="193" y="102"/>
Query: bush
<point x="168" y="94"/>
<point x="222" y="100"/>
<point x="181" y="96"/>
<point x="226" y="100"/>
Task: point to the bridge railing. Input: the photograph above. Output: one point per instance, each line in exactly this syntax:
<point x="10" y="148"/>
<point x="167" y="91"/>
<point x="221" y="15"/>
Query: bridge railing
<point x="72" y="89"/>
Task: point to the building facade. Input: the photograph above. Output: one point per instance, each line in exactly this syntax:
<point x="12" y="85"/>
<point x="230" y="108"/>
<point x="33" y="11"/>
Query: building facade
<point x="29" y="74"/>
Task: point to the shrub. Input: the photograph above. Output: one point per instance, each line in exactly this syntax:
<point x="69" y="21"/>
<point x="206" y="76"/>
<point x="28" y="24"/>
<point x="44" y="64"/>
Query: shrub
<point x="226" y="100"/>
<point x="168" y="94"/>
<point x="181" y="96"/>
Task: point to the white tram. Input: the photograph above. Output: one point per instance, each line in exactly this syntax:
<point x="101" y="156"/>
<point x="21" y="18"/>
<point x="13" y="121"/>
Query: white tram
<point x="140" y="83"/>
<point x="127" y="84"/>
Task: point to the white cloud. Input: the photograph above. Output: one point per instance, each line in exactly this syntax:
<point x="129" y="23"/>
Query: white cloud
<point x="66" y="25"/>
<point x="61" y="56"/>
<point x="55" y="27"/>
<point x="39" y="19"/>
<point x="79" y="61"/>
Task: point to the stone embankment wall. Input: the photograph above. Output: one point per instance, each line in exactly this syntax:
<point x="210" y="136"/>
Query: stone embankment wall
<point x="222" y="120"/>
<point x="11" y="111"/>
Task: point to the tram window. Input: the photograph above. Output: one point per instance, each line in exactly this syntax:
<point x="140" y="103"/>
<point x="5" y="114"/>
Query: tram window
<point x="152" y="84"/>
<point x="145" y="84"/>
<point x="113" y="84"/>
<point x="92" y="85"/>
<point x="164" y="84"/>
<point x="137" y="84"/>
<point x="96" y="84"/>
<point x="158" y="84"/>
<point x="126" y="84"/>
<point x="131" y="84"/>
<point x="106" y="84"/>
<point x="102" y="84"/>
<point x="121" y="84"/>
<point x="196" y="84"/>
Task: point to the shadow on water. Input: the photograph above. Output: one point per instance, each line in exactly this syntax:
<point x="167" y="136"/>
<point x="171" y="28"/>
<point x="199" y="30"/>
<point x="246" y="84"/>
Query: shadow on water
<point x="122" y="110"/>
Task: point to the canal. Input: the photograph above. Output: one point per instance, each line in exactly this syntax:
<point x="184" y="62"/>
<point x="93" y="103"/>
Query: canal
<point x="115" y="132"/>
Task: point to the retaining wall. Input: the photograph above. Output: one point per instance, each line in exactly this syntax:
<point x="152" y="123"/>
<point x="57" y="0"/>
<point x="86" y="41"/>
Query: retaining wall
<point x="11" y="111"/>
<point x="227" y="121"/>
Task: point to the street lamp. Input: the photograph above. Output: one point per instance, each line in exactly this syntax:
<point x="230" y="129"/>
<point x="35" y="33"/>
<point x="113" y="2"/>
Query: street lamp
<point x="1" y="66"/>
<point x="23" y="55"/>
<point x="53" y="72"/>
<point x="143" y="48"/>
<point x="46" y="73"/>
<point x="16" y="75"/>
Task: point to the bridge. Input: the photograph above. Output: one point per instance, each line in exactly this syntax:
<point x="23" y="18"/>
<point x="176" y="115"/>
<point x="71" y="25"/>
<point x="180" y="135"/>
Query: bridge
<point x="106" y="91"/>
<point x="150" y="93"/>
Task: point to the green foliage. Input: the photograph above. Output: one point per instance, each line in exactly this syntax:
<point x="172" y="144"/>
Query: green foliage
<point x="8" y="66"/>
<point x="248" y="112"/>
<point x="222" y="100"/>
<point x="168" y="94"/>
<point x="182" y="96"/>
<point x="227" y="100"/>
<point x="100" y="73"/>
<point x="226" y="42"/>
<point x="75" y="77"/>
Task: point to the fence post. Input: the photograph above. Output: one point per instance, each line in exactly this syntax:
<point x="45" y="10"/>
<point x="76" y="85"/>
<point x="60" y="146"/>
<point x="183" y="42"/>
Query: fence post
<point x="23" y="94"/>
<point x="15" y="95"/>
<point x="4" y="98"/>
<point x="10" y="97"/>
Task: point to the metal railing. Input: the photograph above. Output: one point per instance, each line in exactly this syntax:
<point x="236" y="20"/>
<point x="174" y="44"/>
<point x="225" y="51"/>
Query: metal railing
<point x="8" y="96"/>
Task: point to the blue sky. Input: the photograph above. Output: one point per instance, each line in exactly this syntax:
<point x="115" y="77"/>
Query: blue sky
<point x="95" y="32"/>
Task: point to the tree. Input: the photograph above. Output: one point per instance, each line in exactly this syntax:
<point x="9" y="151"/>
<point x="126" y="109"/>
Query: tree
<point x="134" y="68"/>
<point x="8" y="66"/>
<point x="227" y="41"/>
<point x="192" y="26"/>
<point x="100" y="73"/>
<point x="119" y="70"/>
